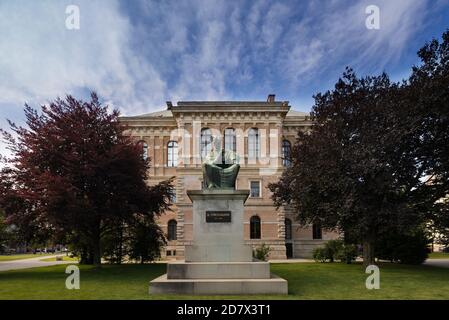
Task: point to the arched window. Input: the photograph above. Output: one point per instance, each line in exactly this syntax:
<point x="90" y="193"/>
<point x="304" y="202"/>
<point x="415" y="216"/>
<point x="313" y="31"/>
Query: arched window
<point x="230" y="139"/>
<point x="206" y="142"/>
<point x="286" y="153"/>
<point x="171" y="234"/>
<point x="288" y="229"/>
<point x="144" y="147"/>
<point x="172" y="154"/>
<point x="254" y="227"/>
<point x="317" y="233"/>
<point x="253" y="143"/>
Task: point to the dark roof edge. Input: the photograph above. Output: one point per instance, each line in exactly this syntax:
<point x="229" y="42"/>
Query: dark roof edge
<point x="230" y="103"/>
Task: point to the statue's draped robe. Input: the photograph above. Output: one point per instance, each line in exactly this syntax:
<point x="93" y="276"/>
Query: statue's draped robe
<point x="218" y="173"/>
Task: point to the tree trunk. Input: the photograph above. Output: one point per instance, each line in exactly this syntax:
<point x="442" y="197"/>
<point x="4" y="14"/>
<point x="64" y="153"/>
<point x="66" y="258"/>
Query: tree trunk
<point x="120" y="248"/>
<point x="86" y="255"/>
<point x="96" y="250"/>
<point x="368" y="252"/>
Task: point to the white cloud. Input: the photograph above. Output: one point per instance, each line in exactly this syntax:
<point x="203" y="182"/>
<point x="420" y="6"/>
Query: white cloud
<point x="195" y="49"/>
<point x="40" y="59"/>
<point x="334" y="34"/>
<point x="192" y="49"/>
<point x="275" y="22"/>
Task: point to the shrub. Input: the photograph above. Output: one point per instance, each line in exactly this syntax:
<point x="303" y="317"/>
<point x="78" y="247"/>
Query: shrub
<point x="261" y="252"/>
<point x="334" y="247"/>
<point x="409" y="248"/>
<point x="347" y="253"/>
<point x="335" y="250"/>
<point x="320" y="254"/>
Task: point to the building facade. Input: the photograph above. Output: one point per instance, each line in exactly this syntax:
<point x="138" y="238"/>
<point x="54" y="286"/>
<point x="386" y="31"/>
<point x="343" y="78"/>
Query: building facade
<point x="261" y="132"/>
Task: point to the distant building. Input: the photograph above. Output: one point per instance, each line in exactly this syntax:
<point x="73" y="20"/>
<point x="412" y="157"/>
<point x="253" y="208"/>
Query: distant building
<point x="261" y="132"/>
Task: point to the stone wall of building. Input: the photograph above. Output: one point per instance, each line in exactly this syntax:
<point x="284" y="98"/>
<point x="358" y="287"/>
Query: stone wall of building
<point x="183" y="123"/>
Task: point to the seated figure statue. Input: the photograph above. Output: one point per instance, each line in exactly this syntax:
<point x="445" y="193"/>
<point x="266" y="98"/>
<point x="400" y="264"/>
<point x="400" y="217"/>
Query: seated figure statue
<point x="220" y="167"/>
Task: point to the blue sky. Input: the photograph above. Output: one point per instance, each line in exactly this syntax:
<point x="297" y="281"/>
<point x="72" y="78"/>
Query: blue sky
<point x="138" y="54"/>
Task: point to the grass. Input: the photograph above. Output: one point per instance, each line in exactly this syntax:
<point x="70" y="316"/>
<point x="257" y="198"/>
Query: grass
<point x="13" y="257"/>
<point x="305" y="281"/>
<point x="64" y="258"/>
<point x="439" y="255"/>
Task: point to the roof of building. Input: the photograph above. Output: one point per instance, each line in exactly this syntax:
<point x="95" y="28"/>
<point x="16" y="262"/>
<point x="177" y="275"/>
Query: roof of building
<point x="294" y="113"/>
<point x="156" y="114"/>
<point x="168" y="114"/>
<point x="230" y="103"/>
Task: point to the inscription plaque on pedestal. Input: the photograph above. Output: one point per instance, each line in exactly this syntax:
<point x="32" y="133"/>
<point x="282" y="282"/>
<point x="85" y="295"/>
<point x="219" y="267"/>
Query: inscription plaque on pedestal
<point x="218" y="216"/>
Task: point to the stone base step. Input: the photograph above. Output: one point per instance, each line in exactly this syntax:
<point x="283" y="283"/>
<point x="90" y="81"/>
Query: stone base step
<point x="218" y="270"/>
<point x="273" y="285"/>
<point x="219" y="252"/>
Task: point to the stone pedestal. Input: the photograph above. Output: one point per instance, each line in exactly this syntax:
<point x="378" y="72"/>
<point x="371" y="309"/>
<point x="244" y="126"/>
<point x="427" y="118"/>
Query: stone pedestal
<point x="218" y="261"/>
<point x="215" y="241"/>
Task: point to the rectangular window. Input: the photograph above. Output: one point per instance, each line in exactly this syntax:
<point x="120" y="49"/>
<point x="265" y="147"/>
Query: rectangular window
<point x="168" y="252"/>
<point x="254" y="227"/>
<point x="255" y="189"/>
<point x="172" y="154"/>
<point x="173" y="196"/>
<point x="288" y="229"/>
<point x="206" y="142"/>
<point x="317" y="233"/>
<point x="253" y="144"/>
<point x="230" y="140"/>
<point x="286" y="153"/>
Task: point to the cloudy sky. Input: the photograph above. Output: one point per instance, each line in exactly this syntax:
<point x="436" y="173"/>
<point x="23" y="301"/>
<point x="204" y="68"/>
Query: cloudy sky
<point x="138" y="54"/>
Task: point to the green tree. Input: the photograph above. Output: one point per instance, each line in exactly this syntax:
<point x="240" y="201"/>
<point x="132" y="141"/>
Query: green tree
<point x="146" y="240"/>
<point x="429" y="105"/>
<point x="356" y="170"/>
<point x="410" y="248"/>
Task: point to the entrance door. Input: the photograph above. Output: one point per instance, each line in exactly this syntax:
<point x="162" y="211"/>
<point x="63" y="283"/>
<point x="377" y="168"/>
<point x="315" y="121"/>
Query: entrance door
<point x="289" y="249"/>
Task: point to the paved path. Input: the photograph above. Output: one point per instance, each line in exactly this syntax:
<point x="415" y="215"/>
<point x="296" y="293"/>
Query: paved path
<point x="443" y="263"/>
<point x="30" y="263"/>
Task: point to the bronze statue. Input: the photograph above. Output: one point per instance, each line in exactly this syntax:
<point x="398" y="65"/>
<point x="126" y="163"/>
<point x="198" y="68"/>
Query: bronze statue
<point x="220" y="167"/>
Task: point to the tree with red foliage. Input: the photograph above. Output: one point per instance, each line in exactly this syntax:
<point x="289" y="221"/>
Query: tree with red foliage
<point x="75" y="175"/>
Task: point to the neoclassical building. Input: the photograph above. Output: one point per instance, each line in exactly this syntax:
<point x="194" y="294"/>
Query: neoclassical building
<point x="261" y="132"/>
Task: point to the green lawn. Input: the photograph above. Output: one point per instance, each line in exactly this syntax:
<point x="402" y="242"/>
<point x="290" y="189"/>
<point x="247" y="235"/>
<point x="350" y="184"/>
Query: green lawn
<point x="438" y="255"/>
<point x="306" y="281"/>
<point x="21" y="256"/>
